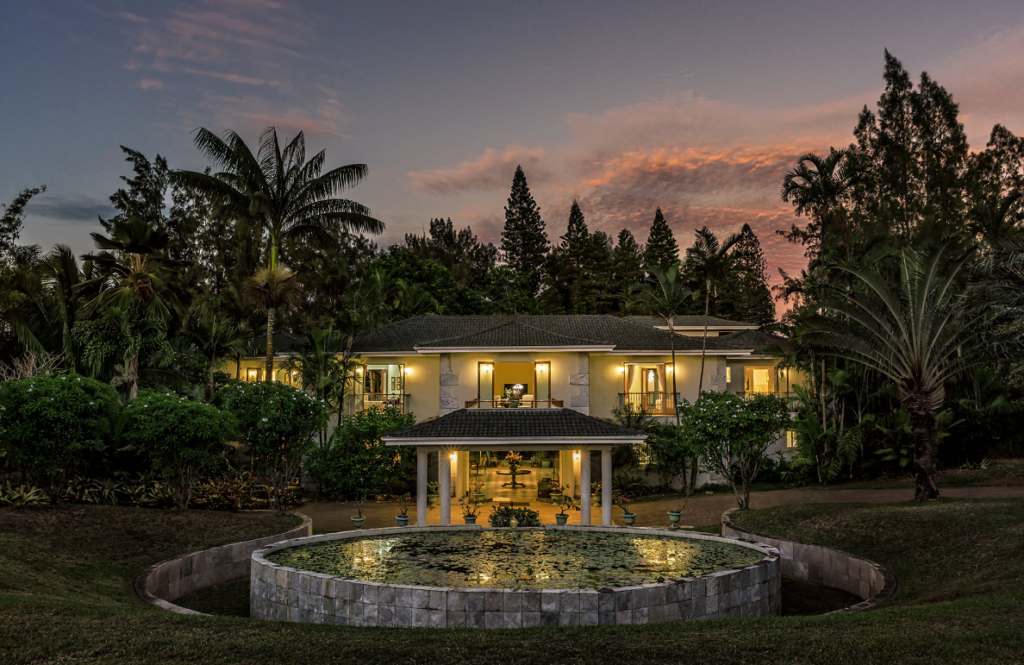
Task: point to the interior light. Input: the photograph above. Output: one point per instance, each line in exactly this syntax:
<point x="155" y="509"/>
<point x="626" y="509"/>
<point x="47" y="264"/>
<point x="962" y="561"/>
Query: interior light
<point x="543" y="367"/>
<point x="621" y="369"/>
<point x="669" y="368"/>
<point x="408" y="371"/>
<point x="359" y="370"/>
<point x="576" y="456"/>
<point x="454" y="456"/>
<point x="487" y="368"/>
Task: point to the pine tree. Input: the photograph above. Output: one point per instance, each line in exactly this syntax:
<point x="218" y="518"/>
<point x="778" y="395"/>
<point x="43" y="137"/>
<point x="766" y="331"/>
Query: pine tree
<point x="746" y="297"/>
<point x="599" y="297"/>
<point x="662" y="250"/>
<point x="524" y="242"/>
<point x="578" y="270"/>
<point x="468" y="259"/>
<point x="627" y="270"/>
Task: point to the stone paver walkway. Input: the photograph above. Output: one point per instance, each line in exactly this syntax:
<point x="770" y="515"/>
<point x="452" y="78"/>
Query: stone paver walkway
<point x="699" y="511"/>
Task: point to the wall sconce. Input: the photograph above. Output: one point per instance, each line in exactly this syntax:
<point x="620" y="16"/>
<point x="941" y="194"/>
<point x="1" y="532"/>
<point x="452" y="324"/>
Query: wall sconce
<point x="620" y="369"/>
<point x="359" y="370"/>
<point x="669" y="369"/>
<point x="453" y="457"/>
<point x="543" y="367"/>
<point x="576" y="456"/>
<point x="487" y="368"/>
<point x="408" y="371"/>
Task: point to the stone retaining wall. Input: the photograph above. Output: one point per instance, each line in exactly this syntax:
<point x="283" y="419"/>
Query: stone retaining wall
<point x="287" y="594"/>
<point x="825" y="566"/>
<point x="177" y="577"/>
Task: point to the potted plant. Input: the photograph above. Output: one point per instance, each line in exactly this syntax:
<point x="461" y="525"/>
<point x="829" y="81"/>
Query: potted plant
<point x="469" y="511"/>
<point x="556" y="492"/>
<point x="567" y="503"/>
<point x="432" y="494"/>
<point x="513" y="399"/>
<point x="478" y="491"/>
<point x="674" y="515"/>
<point x="514" y="460"/>
<point x="403" y="511"/>
<point x="627" y="516"/>
<point x="595" y="493"/>
<point x="358" y="519"/>
<point x="545" y="463"/>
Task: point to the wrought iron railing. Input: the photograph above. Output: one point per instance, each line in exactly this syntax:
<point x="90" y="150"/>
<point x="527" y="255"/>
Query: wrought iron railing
<point x="653" y="404"/>
<point x="381" y="400"/>
<point x="514" y="404"/>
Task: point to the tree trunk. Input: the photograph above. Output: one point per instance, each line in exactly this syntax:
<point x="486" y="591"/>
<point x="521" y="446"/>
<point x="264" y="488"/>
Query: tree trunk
<point x="672" y="344"/>
<point x="270" y="345"/>
<point x="922" y="424"/>
<point x="704" y="343"/>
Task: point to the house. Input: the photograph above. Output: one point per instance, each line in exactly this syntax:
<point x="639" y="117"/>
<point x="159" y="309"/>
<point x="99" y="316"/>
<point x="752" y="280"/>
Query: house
<point x="482" y="384"/>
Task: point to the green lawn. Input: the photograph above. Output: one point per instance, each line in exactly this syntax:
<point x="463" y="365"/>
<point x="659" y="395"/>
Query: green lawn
<point x="66" y="573"/>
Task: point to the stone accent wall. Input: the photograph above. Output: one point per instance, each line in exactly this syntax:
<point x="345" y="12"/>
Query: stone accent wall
<point x="714" y="373"/>
<point x="827" y="567"/>
<point x="448" y="380"/>
<point x="180" y="576"/>
<point x="287" y="594"/>
<point x="579" y="385"/>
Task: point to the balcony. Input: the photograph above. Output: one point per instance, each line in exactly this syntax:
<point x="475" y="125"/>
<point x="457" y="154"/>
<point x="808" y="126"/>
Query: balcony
<point x="379" y="401"/>
<point x="748" y="394"/>
<point x="514" y="404"/>
<point x="653" y="404"/>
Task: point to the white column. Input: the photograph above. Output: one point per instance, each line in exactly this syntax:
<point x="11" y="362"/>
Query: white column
<point x="606" y="487"/>
<point x="421" y="486"/>
<point x="460" y="477"/>
<point x="585" y="488"/>
<point x="444" y="479"/>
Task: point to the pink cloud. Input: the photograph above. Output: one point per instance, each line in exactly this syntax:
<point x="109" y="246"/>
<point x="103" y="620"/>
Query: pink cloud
<point x="491" y="171"/>
<point x="151" y="84"/>
<point x="234" y="78"/>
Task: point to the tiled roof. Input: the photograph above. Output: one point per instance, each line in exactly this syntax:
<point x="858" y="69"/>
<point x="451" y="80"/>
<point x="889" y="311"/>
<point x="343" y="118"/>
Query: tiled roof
<point x="512" y="424"/>
<point x="751" y="339"/>
<point x="544" y="330"/>
<point x="690" y="321"/>
<point x="513" y="333"/>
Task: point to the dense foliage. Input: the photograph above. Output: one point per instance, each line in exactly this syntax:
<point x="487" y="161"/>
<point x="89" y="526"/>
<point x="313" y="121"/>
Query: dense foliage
<point x="279" y="423"/>
<point x="354" y="461"/>
<point x="183" y="439"/>
<point x="502" y="516"/>
<point x="51" y="425"/>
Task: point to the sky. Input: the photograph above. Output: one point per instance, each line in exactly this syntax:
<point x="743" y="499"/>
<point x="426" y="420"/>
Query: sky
<point x="697" y="107"/>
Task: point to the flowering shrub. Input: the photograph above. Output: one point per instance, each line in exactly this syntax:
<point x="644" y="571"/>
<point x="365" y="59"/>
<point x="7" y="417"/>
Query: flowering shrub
<point x="279" y="423"/>
<point x="181" y="438"/>
<point x="51" y="425"/>
<point x="732" y="433"/>
<point x="502" y="516"/>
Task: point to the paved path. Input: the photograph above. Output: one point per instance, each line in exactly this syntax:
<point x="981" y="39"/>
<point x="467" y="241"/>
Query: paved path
<point x="700" y="510"/>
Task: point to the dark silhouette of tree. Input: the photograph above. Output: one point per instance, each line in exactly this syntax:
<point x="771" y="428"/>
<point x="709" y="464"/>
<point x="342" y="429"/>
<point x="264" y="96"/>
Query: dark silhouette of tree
<point x="524" y="242"/>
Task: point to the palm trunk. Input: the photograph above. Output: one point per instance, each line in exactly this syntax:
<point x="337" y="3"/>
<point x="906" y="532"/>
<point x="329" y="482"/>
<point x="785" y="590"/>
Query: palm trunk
<point x="270" y="345"/>
<point x="704" y="342"/>
<point x="133" y="378"/>
<point x="922" y="424"/>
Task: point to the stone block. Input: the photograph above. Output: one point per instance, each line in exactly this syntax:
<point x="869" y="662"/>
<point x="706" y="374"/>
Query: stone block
<point x="623" y="599"/>
<point x="512" y="619"/>
<point x="456" y="619"/>
<point x="579" y="400"/>
<point x="656" y="614"/>
<point x="456" y="602"/>
<point x="588" y="618"/>
<point x="438" y="618"/>
<point x="531" y="619"/>
<point x="549" y="600"/>
<point x="403" y="616"/>
<point x="420" y="599"/>
<point x="606" y="618"/>
<point x="697" y="607"/>
<point x="569" y="602"/>
<point x="437" y="600"/>
<point x="420" y="617"/>
<point x="385" y="615"/>
<point x="569" y="619"/>
<point x="606" y="601"/>
<point x="494" y="619"/>
<point x="511" y="601"/>
<point x="474" y="600"/>
<point x="370" y="594"/>
<point x="589" y="601"/>
<point x="670" y="612"/>
<point x="641" y="597"/>
<point x="549" y="619"/>
<point x="293" y="597"/>
<point x="624" y="617"/>
<point x="711" y="604"/>
<point x="386" y="594"/>
<point x="640" y="615"/>
<point x="492" y="600"/>
<point x="449" y="380"/>
<point x="403" y="596"/>
<point x="711" y="586"/>
<point x="531" y="601"/>
<point x="370" y="614"/>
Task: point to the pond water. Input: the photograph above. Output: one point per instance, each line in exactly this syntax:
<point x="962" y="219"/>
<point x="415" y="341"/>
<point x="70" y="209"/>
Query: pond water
<point x="545" y="559"/>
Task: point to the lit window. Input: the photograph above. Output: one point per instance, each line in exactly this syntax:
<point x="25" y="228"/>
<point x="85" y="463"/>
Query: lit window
<point x="728" y="374"/>
<point x="790" y="439"/>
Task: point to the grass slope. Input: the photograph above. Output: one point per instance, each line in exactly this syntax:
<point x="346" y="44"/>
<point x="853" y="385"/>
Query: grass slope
<point x="946" y="610"/>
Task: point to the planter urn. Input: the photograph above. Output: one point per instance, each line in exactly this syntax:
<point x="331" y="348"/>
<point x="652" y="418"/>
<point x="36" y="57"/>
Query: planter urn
<point x="561" y="518"/>
<point x="629" y="518"/>
<point x="674" y="518"/>
<point x="470" y="519"/>
<point x="358" y="522"/>
<point x="403" y="520"/>
<point x="556" y="497"/>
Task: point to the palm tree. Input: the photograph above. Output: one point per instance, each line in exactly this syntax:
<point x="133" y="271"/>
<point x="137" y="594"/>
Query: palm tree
<point x="279" y="189"/>
<point x="217" y="338"/>
<point x="665" y="298"/>
<point x="816" y="187"/>
<point x="324" y="371"/>
<point x="710" y="261"/>
<point x="920" y="334"/>
<point x="269" y="289"/>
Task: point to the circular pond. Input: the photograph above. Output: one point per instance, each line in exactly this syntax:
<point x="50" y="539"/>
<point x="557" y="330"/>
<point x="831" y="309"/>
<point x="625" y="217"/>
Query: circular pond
<point x="466" y="576"/>
<point x="541" y="559"/>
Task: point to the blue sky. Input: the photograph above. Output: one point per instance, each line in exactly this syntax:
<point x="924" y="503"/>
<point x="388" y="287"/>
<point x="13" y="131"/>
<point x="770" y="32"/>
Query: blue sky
<point x="698" y="107"/>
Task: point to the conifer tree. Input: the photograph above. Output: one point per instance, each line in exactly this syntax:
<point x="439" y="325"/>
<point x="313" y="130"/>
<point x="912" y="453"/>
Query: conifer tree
<point x="524" y="242"/>
<point x="746" y="296"/>
<point x="662" y="250"/>
<point x="627" y="270"/>
<point x="578" y="270"/>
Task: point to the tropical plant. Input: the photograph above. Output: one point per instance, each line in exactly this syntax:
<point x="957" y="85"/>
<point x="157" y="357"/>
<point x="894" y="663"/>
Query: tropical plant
<point x="710" y="261"/>
<point x="817" y="188"/>
<point x="51" y="425"/>
<point x="279" y="423"/>
<point x="182" y="439"/>
<point x="920" y="333"/>
<point x="216" y="339"/>
<point x="501" y="517"/>
<point x="267" y="290"/>
<point x="470" y="508"/>
<point x="666" y="298"/>
<point x="21" y="495"/>
<point x="280" y="190"/>
<point x="323" y="369"/>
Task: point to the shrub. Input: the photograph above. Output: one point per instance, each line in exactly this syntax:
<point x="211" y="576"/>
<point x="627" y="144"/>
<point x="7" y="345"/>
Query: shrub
<point x="180" y="438"/>
<point x="355" y="460"/>
<point x="51" y="424"/>
<point x="501" y="516"/>
<point x="279" y="423"/>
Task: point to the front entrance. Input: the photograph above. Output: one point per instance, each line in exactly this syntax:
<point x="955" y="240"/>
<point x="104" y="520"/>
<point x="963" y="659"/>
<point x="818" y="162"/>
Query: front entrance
<point x="490" y="473"/>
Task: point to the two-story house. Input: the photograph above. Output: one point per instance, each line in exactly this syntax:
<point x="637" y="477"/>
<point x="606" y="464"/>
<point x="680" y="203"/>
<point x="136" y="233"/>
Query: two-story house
<point x="544" y="386"/>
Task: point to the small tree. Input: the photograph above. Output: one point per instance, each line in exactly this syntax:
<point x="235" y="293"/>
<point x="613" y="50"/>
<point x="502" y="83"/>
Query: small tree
<point x="279" y="423"/>
<point x="735" y="432"/>
<point x="181" y="438"/>
<point x="50" y="424"/>
<point x="355" y="459"/>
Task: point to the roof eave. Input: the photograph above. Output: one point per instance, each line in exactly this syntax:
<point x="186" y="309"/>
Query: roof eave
<point x="505" y="349"/>
<point x="585" y="441"/>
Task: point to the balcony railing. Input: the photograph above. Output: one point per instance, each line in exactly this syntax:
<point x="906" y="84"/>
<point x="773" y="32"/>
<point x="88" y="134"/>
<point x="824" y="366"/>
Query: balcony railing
<point x="514" y="404"/>
<point x="381" y="400"/>
<point x="653" y="404"/>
